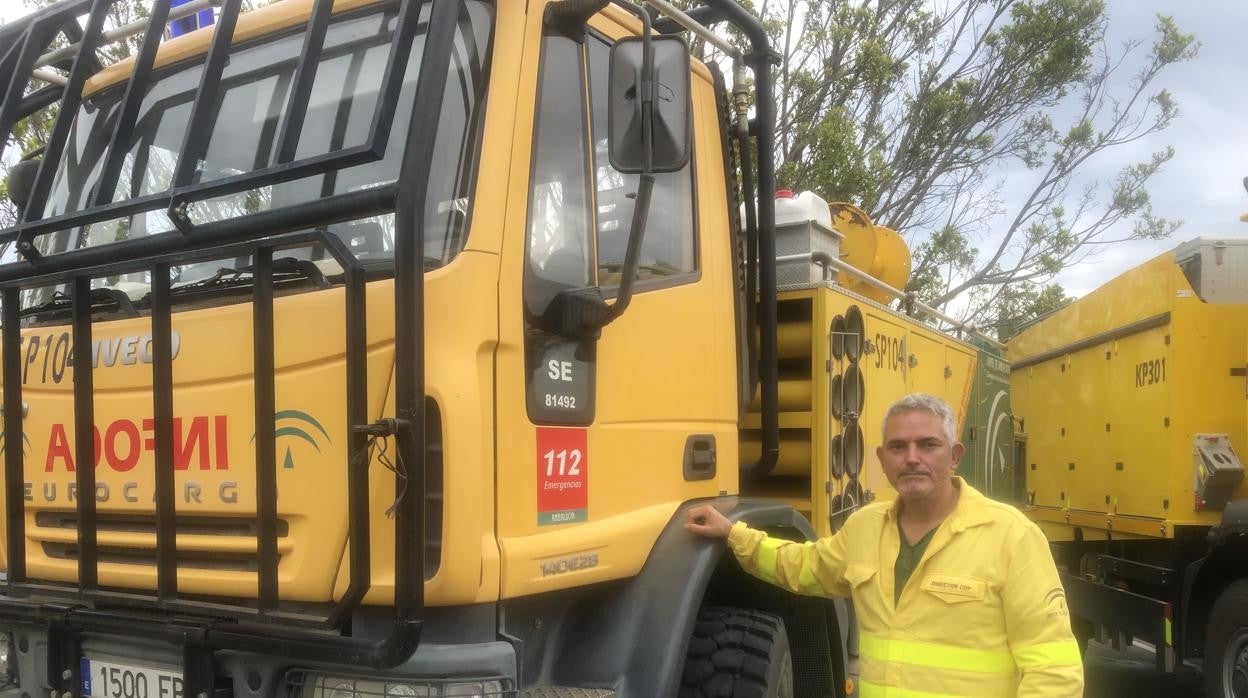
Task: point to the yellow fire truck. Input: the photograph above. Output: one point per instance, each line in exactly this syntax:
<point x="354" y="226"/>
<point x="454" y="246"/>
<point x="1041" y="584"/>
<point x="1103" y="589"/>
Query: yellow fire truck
<point x="1130" y="404"/>
<point x="378" y="348"/>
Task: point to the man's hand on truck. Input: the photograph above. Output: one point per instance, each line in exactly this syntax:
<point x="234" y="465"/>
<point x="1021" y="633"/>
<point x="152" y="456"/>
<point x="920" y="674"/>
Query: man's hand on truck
<point x="705" y="520"/>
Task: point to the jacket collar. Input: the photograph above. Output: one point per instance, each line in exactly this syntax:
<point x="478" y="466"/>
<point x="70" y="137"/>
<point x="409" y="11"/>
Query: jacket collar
<point x="972" y="508"/>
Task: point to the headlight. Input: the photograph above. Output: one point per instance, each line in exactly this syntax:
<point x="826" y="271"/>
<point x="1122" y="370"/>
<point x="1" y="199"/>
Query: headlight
<point x="303" y="685"/>
<point x="339" y="688"/>
<point x="402" y="690"/>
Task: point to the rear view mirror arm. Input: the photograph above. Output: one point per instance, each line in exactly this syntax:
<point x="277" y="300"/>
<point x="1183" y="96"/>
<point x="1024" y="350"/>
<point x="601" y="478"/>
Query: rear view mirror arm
<point x="645" y="182"/>
<point x="583" y="312"/>
<point x="641" y="211"/>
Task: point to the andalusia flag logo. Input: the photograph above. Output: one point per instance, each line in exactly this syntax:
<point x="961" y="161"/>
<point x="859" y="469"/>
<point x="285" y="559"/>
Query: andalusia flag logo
<point x="292" y="427"/>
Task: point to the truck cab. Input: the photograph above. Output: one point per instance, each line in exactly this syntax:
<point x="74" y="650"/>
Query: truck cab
<point x="355" y="347"/>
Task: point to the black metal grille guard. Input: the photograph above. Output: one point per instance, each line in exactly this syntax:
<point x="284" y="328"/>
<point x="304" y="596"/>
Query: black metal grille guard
<point x="201" y="627"/>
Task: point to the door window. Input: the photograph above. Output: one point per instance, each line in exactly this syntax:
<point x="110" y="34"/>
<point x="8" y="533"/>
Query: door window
<point x="668" y="246"/>
<point x="579" y="224"/>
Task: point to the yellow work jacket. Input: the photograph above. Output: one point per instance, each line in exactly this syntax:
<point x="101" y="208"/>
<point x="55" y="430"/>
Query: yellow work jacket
<point x="983" y="615"/>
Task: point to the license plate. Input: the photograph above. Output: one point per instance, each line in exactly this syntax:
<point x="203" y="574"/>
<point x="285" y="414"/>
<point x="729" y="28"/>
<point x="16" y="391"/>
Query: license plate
<point x="104" y="679"/>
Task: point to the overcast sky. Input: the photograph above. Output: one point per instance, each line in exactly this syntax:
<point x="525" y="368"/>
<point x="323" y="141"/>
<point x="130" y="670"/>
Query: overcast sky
<point x="1202" y="185"/>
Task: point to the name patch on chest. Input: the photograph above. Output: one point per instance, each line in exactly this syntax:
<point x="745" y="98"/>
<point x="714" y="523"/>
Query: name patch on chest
<point x="967" y="587"/>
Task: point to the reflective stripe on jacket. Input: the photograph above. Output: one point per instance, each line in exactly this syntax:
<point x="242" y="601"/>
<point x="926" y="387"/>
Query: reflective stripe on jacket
<point x="983" y="615"/>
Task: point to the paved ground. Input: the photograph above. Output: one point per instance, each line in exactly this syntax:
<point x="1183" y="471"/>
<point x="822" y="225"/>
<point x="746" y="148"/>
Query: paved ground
<point x="1130" y="674"/>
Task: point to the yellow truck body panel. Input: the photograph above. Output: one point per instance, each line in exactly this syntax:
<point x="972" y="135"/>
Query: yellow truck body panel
<point x="1112" y="391"/>
<point x="898" y="355"/>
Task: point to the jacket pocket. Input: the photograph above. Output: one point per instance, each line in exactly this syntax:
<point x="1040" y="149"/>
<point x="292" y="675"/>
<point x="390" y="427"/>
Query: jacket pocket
<point x="857" y="573"/>
<point x="954" y="589"/>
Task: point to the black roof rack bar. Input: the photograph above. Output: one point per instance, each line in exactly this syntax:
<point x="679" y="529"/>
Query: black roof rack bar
<point x="317" y="164"/>
<point x="195" y="140"/>
<point x="409" y="317"/>
<point x="84" y="438"/>
<point x="321" y="212"/>
<point x="305" y="76"/>
<point x="329" y="163"/>
<point x="357" y="396"/>
<point x="162" y="417"/>
<point x="10" y="55"/>
<point x="358" y="509"/>
<point x="39" y="99"/>
<point x="74" y="33"/>
<point x="182" y="255"/>
<point x="26" y="40"/>
<point x="392" y="79"/>
<point x="162" y="379"/>
<point x="64" y="120"/>
<point x="14" y="438"/>
<point x="266" y="439"/>
<point x="179" y="198"/>
<point x="275" y="174"/>
<point x="33" y="229"/>
<point x="123" y="128"/>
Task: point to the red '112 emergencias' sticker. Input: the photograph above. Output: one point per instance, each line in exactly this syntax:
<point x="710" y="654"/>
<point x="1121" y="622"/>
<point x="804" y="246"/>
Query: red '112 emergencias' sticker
<point x="562" y="476"/>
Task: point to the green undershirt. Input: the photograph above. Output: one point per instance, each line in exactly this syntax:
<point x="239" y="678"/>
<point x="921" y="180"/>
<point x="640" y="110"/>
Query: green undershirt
<point x="908" y="557"/>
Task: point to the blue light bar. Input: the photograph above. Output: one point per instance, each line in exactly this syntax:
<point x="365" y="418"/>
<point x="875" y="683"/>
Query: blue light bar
<point x="190" y="23"/>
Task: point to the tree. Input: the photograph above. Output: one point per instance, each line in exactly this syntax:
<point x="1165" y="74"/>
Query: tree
<point x="914" y="110"/>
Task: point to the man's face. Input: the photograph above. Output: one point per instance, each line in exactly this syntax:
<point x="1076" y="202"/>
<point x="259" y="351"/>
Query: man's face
<point x="917" y="458"/>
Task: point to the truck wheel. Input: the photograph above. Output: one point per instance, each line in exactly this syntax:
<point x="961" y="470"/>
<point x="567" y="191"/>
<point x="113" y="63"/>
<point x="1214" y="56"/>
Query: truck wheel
<point x="737" y="653"/>
<point x="1226" y="644"/>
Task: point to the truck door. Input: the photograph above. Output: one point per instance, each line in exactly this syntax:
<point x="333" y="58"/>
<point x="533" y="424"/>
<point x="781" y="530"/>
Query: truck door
<point x="599" y="440"/>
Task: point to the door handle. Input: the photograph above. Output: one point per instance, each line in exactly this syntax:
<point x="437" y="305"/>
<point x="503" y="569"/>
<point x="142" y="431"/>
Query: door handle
<point x="700" y="457"/>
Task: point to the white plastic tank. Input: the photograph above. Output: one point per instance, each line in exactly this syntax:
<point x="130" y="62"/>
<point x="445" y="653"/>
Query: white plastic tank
<point x="805" y="207"/>
<point x="803" y="227"/>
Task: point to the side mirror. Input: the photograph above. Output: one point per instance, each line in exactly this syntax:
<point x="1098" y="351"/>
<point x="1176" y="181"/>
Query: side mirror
<point x="22" y="180"/>
<point x="669" y="118"/>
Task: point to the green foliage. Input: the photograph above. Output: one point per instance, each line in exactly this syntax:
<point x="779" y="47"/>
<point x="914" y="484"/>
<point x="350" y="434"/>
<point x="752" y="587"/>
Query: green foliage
<point x="946" y="249"/>
<point x="1019" y="304"/>
<point x="913" y="110"/>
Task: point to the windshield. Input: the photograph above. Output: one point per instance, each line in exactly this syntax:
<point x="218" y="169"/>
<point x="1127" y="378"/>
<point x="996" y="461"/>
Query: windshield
<point x="248" y="119"/>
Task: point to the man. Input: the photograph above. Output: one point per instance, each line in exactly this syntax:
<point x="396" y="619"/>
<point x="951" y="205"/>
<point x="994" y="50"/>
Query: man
<point x="955" y="594"/>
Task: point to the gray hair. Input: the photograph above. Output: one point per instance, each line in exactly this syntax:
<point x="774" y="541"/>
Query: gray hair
<point x="922" y="402"/>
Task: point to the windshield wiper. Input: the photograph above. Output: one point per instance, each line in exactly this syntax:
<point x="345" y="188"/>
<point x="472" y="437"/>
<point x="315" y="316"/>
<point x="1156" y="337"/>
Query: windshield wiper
<point x="284" y="269"/>
<point x="101" y="299"/>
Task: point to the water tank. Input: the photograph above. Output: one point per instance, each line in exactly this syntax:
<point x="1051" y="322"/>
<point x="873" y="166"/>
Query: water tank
<point x="806" y="207"/>
<point x="803" y="226"/>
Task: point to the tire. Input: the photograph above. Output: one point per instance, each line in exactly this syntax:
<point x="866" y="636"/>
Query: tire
<point x="1226" y="644"/>
<point x="737" y="653"/>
